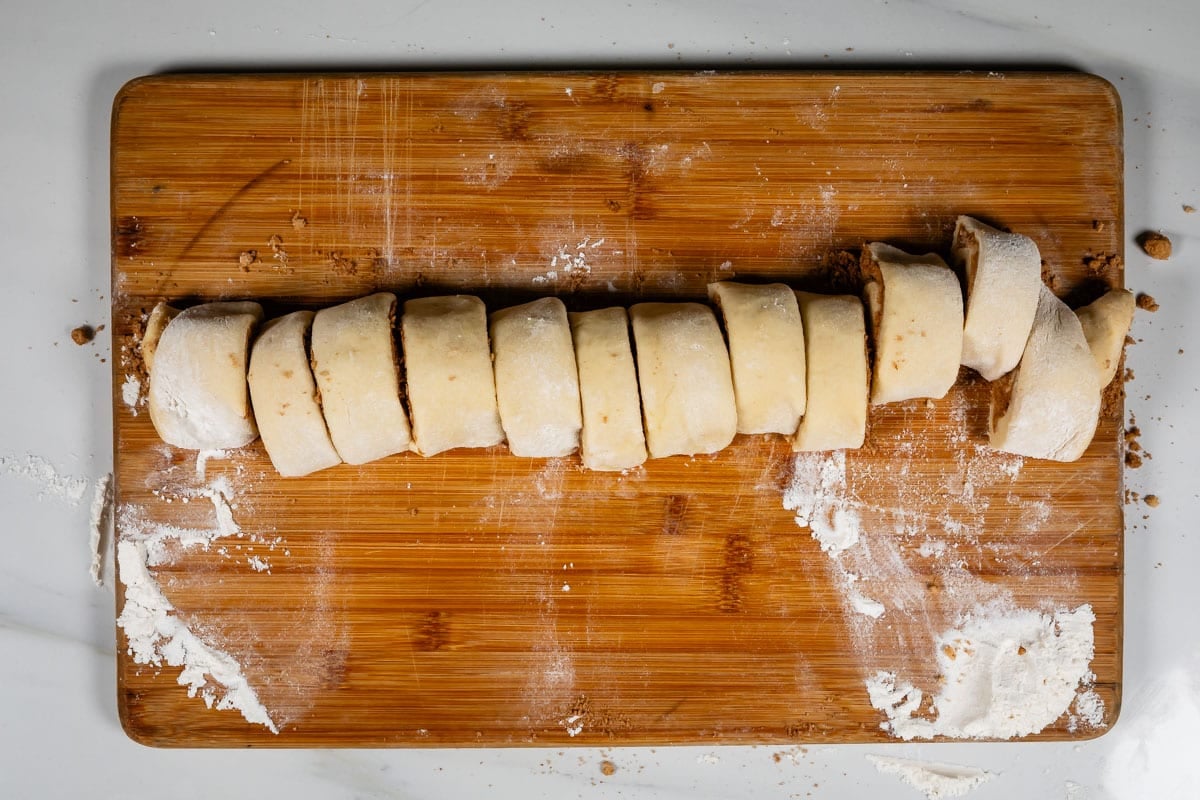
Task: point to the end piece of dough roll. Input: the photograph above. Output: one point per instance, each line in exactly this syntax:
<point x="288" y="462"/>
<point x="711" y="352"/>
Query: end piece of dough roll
<point x="835" y="337"/>
<point x="198" y="394"/>
<point x="1049" y="405"/>
<point x="357" y="370"/>
<point x="915" y="304"/>
<point x="612" y="438"/>
<point x="1003" y="272"/>
<point x="451" y="387"/>
<point x="685" y="379"/>
<point x="156" y="323"/>
<point x="537" y="382"/>
<point x="766" y="354"/>
<point x="1105" y="324"/>
<point x="284" y="396"/>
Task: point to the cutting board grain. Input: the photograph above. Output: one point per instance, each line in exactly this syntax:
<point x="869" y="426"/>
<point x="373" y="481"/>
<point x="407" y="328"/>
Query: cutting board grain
<point x="476" y="598"/>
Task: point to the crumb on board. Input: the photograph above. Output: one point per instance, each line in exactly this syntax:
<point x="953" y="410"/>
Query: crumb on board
<point x="299" y="222"/>
<point x="1098" y="225"/>
<point x="83" y="334"/>
<point x="1155" y="245"/>
<point x="1103" y="263"/>
<point x="1147" y="302"/>
<point x="246" y="258"/>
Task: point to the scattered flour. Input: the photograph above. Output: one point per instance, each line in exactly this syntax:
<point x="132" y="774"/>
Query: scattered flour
<point x="100" y="526"/>
<point x="818" y="496"/>
<point x="934" y="779"/>
<point x="155" y="632"/>
<point x="68" y="488"/>
<point x="131" y="392"/>
<point x="157" y="635"/>
<point x="1004" y="673"/>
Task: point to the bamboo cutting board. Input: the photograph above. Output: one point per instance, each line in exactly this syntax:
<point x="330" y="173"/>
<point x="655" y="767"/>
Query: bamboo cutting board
<point x="475" y="598"/>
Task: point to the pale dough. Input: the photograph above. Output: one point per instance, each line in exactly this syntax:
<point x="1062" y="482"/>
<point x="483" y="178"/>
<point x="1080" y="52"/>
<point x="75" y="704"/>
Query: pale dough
<point x="451" y="388"/>
<point x="284" y="396"/>
<point x="613" y="438"/>
<point x="1049" y="405"/>
<point x="1003" y="272"/>
<point x="537" y="382"/>
<point x="835" y="337"/>
<point x="155" y="325"/>
<point x="357" y="370"/>
<point x="915" y="304"/>
<point x="766" y="354"/>
<point x="198" y="394"/>
<point x="1105" y="325"/>
<point x="685" y="379"/>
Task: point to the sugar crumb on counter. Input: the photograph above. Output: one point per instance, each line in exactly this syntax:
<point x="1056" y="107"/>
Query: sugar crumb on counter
<point x="1147" y="302"/>
<point x="1155" y="245"/>
<point x="83" y="334"/>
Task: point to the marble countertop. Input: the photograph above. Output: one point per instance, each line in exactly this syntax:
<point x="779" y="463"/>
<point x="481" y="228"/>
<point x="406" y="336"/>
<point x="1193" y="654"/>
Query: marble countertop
<point x="62" y="63"/>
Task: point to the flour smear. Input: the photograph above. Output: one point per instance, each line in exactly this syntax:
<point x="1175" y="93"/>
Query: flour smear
<point x="935" y="780"/>
<point x="904" y="573"/>
<point x="157" y="635"/>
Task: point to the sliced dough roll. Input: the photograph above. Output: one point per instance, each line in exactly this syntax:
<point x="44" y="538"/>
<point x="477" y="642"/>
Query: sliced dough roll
<point x="284" y="395"/>
<point x="1003" y="272"/>
<point x="537" y="382"/>
<point x="357" y="370"/>
<point x="451" y="388"/>
<point x="1105" y="325"/>
<point x="684" y="375"/>
<point x="835" y="337"/>
<point x="916" y="323"/>
<point x="613" y="438"/>
<point x="766" y="354"/>
<point x="1049" y="405"/>
<point x="198" y="395"/>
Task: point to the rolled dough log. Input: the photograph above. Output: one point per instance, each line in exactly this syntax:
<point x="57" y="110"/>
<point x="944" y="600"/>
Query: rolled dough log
<point x="1003" y="272"/>
<point x="916" y="323"/>
<point x="284" y="395"/>
<point x="198" y="394"/>
<point x="1105" y="324"/>
<point x="613" y="438"/>
<point x="766" y="354"/>
<point x="537" y="382"/>
<point x="357" y="370"/>
<point x="1049" y="405"/>
<point x="835" y="339"/>
<point x="685" y="378"/>
<point x="451" y="388"/>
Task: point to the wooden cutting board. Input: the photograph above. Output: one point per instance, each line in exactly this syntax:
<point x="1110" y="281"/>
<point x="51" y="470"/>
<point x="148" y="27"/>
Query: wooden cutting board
<point x="475" y="598"/>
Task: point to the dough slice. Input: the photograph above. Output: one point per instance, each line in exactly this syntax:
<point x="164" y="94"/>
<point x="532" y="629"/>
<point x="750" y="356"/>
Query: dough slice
<point x="1105" y="324"/>
<point x="916" y="323"/>
<point x="451" y="388"/>
<point x="198" y="395"/>
<point x="537" y="382"/>
<point x="284" y="396"/>
<point x="1003" y="272"/>
<point x="613" y="438"/>
<point x="357" y="370"/>
<point x="684" y="374"/>
<point x="766" y="354"/>
<point x="155" y="325"/>
<point x="1049" y="405"/>
<point x="835" y="338"/>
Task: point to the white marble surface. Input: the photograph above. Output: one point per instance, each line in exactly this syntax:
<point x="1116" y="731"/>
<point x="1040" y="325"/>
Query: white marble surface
<point x="62" y="62"/>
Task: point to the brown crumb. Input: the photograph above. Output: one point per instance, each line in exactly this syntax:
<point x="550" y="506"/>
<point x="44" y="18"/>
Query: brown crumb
<point x="1147" y="303"/>
<point x="342" y="266"/>
<point x="299" y="222"/>
<point x="1189" y="209"/>
<point x="1151" y="500"/>
<point x="607" y="767"/>
<point x="1097" y="225"/>
<point x="1133" y="460"/>
<point x="1103" y="263"/>
<point x="83" y="334"/>
<point x="246" y="258"/>
<point x="841" y="273"/>
<point x="1155" y="244"/>
<point x="1048" y="276"/>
